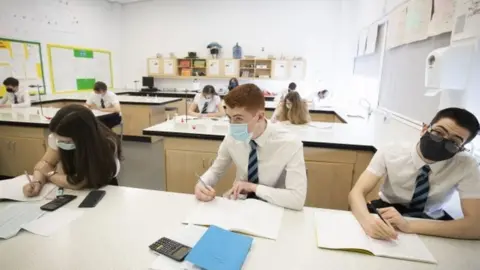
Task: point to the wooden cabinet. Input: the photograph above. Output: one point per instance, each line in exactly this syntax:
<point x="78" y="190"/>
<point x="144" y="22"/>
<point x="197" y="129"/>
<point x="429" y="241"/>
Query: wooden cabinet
<point x="20" y="149"/>
<point x="328" y="184"/>
<point x="331" y="173"/>
<point x="136" y="118"/>
<point x="184" y="167"/>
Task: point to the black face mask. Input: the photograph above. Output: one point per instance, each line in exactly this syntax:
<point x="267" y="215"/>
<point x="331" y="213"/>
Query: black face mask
<point x="10" y="90"/>
<point x="433" y="150"/>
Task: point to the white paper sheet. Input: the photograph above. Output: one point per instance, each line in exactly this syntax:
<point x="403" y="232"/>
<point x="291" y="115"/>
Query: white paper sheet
<point x="229" y="67"/>
<point x="396" y="27"/>
<point x="63" y="69"/>
<point x="12" y="189"/>
<point x="5" y="56"/>
<point x="372" y="39"/>
<point x="418" y="19"/>
<point x="51" y="222"/>
<point x="5" y="70"/>
<point x="102" y="67"/>
<point x="168" y="67"/>
<point x="15" y="215"/>
<point x="154" y="66"/>
<point x="467" y="19"/>
<point x="443" y="17"/>
<point x="187" y="235"/>
<point x="18" y="50"/>
<point x="280" y="70"/>
<point x="213" y="68"/>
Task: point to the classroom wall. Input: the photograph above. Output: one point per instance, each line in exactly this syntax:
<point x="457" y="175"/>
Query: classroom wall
<point x="84" y="23"/>
<point x="319" y="31"/>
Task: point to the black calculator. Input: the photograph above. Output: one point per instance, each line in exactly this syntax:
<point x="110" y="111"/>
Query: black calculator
<point x="170" y="248"/>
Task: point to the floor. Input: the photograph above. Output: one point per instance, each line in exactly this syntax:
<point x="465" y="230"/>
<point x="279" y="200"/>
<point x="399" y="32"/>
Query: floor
<point x="142" y="165"/>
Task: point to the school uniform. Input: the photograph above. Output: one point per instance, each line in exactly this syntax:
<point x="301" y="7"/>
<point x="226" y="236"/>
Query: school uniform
<point x="18" y="99"/>
<point x="108" y="100"/>
<point x="418" y="189"/>
<point x="207" y="106"/>
<point x="274" y="161"/>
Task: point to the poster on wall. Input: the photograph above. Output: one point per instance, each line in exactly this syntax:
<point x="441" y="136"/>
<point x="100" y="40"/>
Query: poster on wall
<point x="419" y="14"/>
<point x="443" y="15"/>
<point x="396" y="27"/>
<point x="23" y="60"/>
<point x="372" y="39"/>
<point x="467" y="19"/>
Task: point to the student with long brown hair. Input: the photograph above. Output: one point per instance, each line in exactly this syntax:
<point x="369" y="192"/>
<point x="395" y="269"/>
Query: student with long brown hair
<point x="292" y="109"/>
<point x="81" y="153"/>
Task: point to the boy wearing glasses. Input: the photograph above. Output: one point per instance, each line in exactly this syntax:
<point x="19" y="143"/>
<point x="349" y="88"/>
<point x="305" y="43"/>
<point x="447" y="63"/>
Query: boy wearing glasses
<point x="420" y="178"/>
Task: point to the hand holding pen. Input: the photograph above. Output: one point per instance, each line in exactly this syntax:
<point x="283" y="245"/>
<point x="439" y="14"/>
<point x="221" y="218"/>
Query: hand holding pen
<point x="33" y="188"/>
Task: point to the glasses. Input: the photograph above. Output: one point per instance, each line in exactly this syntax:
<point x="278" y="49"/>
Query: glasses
<point x="450" y="145"/>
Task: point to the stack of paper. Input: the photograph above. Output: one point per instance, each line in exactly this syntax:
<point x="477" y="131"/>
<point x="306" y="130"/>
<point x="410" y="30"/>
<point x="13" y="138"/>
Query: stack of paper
<point x="51" y="222"/>
<point x="253" y="217"/>
<point x="340" y="230"/>
<point x="219" y="249"/>
<point x="15" y="216"/>
<point x="12" y="189"/>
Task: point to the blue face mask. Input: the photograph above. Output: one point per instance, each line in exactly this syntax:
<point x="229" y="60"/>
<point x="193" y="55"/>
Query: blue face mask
<point x="64" y="145"/>
<point x="240" y="132"/>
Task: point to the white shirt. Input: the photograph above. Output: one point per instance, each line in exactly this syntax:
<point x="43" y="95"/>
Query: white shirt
<point x="23" y="99"/>
<point x="52" y="144"/>
<point x="281" y="166"/>
<point x="401" y="164"/>
<point x="212" y="104"/>
<point x="110" y="99"/>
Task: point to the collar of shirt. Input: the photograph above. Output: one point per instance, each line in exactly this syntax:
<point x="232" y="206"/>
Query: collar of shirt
<point x="418" y="162"/>
<point x="263" y="138"/>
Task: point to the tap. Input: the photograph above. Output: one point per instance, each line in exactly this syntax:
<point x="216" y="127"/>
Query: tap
<point x="367" y="106"/>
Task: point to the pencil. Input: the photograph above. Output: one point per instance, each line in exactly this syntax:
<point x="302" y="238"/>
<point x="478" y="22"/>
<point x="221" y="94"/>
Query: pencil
<point x="376" y="211"/>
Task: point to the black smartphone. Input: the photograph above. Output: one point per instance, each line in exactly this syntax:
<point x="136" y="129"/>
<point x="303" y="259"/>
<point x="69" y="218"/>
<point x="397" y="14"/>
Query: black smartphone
<point x="58" y="202"/>
<point x="92" y="199"/>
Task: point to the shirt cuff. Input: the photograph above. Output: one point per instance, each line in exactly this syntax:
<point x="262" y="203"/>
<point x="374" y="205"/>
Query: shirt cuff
<point x="262" y="191"/>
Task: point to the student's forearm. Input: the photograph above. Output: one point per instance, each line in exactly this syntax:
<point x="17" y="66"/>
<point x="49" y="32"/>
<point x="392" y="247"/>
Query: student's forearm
<point x="358" y="205"/>
<point x="217" y="114"/>
<point x="61" y="181"/>
<point x="288" y="198"/>
<point x="467" y="228"/>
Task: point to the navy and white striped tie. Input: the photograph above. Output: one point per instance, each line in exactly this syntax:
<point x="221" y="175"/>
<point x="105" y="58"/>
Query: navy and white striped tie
<point x="420" y="194"/>
<point x="253" y="163"/>
<point x="204" y="109"/>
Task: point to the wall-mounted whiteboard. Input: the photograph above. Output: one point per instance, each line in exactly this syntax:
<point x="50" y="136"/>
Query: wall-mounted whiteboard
<point x="77" y="69"/>
<point x="22" y="60"/>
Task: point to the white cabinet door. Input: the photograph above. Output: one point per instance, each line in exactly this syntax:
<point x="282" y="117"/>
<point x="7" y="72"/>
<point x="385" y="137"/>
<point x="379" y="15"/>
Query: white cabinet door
<point x="230" y="67"/>
<point x="213" y="67"/>
<point x="153" y="66"/>
<point x="297" y="70"/>
<point x="169" y="67"/>
<point x="280" y="69"/>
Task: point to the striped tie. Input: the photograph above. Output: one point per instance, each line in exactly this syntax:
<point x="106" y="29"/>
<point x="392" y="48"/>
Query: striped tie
<point x="102" y="103"/>
<point x="420" y="194"/>
<point x="204" y="109"/>
<point x="15" y="99"/>
<point x="253" y="163"/>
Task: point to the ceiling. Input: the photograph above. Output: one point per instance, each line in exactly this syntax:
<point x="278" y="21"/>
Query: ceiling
<point x="125" y="1"/>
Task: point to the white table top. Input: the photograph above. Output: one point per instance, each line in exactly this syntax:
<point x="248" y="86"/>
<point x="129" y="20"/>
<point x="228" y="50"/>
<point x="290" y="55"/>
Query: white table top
<point x="272" y="105"/>
<point x="116" y="235"/>
<point x="32" y="116"/>
<point x="122" y="98"/>
<point x="353" y="135"/>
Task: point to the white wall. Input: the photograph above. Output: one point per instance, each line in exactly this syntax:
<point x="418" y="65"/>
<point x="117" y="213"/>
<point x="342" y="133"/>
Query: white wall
<point x="319" y="31"/>
<point x="98" y="26"/>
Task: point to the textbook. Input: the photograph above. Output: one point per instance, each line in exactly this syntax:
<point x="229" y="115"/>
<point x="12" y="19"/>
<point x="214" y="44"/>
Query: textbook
<point x="340" y="230"/>
<point x="250" y="216"/>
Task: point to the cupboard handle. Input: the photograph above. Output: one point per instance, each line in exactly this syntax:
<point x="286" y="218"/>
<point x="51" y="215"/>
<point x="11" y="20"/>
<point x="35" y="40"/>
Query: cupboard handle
<point x="203" y="163"/>
<point x="14" y="146"/>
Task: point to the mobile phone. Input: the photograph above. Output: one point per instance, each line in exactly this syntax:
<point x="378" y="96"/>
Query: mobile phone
<point x="92" y="199"/>
<point x="58" y="202"/>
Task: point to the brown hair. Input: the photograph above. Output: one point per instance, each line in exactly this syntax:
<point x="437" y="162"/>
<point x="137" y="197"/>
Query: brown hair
<point x="96" y="146"/>
<point x="247" y="96"/>
<point x="298" y="114"/>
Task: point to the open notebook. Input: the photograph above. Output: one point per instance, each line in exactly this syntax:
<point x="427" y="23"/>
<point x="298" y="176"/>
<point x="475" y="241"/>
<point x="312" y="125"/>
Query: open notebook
<point x="252" y="217"/>
<point x="340" y="230"/>
<point x="12" y="189"/>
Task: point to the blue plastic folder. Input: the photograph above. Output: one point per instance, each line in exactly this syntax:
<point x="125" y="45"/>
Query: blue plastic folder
<point x="219" y="249"/>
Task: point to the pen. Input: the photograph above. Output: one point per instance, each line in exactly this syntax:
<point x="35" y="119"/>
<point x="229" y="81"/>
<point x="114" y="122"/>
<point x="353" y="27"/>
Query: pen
<point x="203" y="183"/>
<point x="28" y="177"/>
<point x="370" y="205"/>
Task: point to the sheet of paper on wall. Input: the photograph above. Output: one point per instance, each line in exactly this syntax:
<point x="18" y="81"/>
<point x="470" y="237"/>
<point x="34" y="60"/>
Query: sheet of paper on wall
<point x="372" y="39"/>
<point x="229" y="68"/>
<point x="419" y="13"/>
<point x="154" y="66"/>
<point x="396" y="27"/>
<point x="5" y="70"/>
<point x="467" y="19"/>
<point x="443" y="17"/>
<point x="102" y="67"/>
<point x="213" y="68"/>
<point x="4" y="56"/>
<point x="362" y="42"/>
<point x="31" y="69"/>
<point x="168" y="67"/>
<point x="18" y="50"/>
<point x="18" y="68"/>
